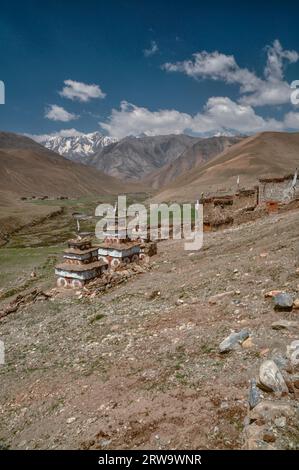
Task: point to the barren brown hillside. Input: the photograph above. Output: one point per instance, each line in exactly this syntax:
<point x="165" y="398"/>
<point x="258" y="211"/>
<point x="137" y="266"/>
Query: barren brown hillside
<point x="29" y="172"/>
<point x="28" y="169"/>
<point x="201" y="152"/>
<point x="138" y="366"/>
<point x="268" y="153"/>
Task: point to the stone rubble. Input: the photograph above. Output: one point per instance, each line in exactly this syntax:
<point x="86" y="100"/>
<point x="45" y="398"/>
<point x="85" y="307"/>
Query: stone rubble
<point x="267" y="419"/>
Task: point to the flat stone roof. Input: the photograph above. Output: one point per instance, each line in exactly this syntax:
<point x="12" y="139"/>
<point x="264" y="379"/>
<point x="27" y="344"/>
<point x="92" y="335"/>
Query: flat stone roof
<point x="80" y="267"/>
<point x="75" y="251"/>
<point x="119" y="246"/>
<point x="278" y="179"/>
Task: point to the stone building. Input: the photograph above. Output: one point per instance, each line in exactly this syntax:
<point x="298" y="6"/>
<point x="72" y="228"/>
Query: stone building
<point x="277" y="190"/>
<point x="220" y="211"/>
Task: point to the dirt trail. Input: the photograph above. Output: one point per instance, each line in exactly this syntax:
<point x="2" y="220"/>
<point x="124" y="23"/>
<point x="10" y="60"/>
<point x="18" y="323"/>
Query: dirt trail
<point x="139" y="367"/>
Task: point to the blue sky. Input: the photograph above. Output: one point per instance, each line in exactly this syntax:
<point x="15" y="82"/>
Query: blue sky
<point x="127" y="67"/>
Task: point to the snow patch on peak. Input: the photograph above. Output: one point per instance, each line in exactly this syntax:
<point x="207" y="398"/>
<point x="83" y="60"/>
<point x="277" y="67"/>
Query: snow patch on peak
<point x="77" y="146"/>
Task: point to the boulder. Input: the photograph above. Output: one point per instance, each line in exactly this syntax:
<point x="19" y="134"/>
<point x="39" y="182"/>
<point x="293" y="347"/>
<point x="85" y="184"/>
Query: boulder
<point x="271" y="379"/>
<point x="254" y="394"/>
<point x="283" y="302"/>
<point x="267" y="411"/>
<point x="233" y="340"/>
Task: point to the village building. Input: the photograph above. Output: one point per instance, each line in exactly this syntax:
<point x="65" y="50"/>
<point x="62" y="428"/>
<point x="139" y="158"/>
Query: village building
<point x="278" y="190"/>
<point x="221" y="210"/>
<point x="81" y="264"/>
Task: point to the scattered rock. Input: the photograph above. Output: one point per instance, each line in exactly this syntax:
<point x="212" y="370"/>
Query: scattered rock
<point x="293" y="354"/>
<point x="272" y="293"/>
<point x="283" y="302"/>
<point x="264" y="352"/>
<point x="284" y="325"/>
<point x="280" y="360"/>
<point x="280" y="422"/>
<point x="267" y="411"/>
<point x="105" y="442"/>
<point x="215" y="298"/>
<point x="153" y="295"/>
<point x="292" y="347"/>
<point x="233" y="340"/>
<point x="24" y="299"/>
<point x="295" y="380"/>
<point x="296" y="304"/>
<point x="254" y="394"/>
<point x="248" y="343"/>
<point x="269" y="436"/>
<point x="254" y="438"/>
<point x="271" y="379"/>
<point x="179" y="302"/>
<point x="71" y="420"/>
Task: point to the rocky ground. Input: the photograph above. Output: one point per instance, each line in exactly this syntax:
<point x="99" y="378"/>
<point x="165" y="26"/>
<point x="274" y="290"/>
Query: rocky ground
<point x="139" y="366"/>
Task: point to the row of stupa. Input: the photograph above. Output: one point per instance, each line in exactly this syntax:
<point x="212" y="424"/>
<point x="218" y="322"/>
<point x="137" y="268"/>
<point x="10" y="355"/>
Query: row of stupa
<point x="83" y="262"/>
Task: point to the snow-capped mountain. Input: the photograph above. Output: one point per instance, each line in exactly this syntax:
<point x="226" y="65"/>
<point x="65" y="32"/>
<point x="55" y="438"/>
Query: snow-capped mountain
<point x="222" y="132"/>
<point x="77" y="147"/>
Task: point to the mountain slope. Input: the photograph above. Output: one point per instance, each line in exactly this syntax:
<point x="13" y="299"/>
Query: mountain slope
<point x="268" y="153"/>
<point x="77" y="147"/>
<point x="132" y="158"/>
<point x="27" y="168"/>
<point x="199" y="153"/>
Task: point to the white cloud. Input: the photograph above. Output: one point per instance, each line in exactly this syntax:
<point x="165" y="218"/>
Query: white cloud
<point x="255" y="91"/>
<point x="276" y="56"/>
<point x="133" y="120"/>
<point x="57" y="113"/>
<point x="153" y="49"/>
<point x="215" y="66"/>
<point x="291" y="121"/>
<point x="222" y="112"/>
<point x="218" y="114"/>
<point x="81" y="91"/>
<point x="62" y="133"/>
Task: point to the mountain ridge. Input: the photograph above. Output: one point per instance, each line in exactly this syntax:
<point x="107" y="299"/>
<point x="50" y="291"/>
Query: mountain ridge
<point x="251" y="158"/>
<point x="197" y="154"/>
<point x="26" y="167"/>
<point x="134" y="157"/>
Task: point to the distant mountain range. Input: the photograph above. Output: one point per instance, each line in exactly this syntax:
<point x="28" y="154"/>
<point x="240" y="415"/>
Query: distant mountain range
<point x="76" y="147"/>
<point x="177" y="167"/>
<point x="132" y="158"/>
<point x="136" y="158"/>
<point x="264" y="154"/>
<point x="200" y="152"/>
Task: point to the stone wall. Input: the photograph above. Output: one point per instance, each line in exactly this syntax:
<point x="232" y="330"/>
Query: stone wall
<point x="277" y="190"/>
<point x="221" y="211"/>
